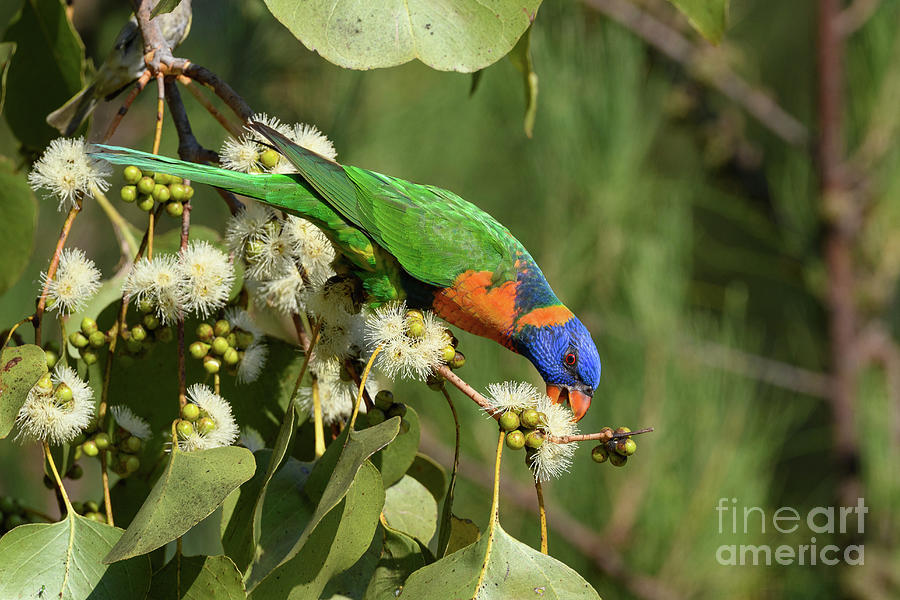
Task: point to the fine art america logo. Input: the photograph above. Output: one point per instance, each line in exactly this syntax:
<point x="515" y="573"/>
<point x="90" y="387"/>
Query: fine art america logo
<point x="753" y="520"/>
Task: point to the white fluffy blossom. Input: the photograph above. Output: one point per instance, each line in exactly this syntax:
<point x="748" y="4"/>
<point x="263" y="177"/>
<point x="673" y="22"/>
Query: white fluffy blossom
<point x="401" y="354"/>
<point x="130" y="422"/>
<point x="254" y="354"/>
<point x="212" y="406"/>
<point x="336" y="390"/>
<point x="207" y="277"/>
<point x="285" y="294"/>
<point x="311" y="247"/>
<point x="246" y="225"/>
<point x="311" y="138"/>
<point x="251" y="439"/>
<point x="551" y="459"/>
<point x="513" y="395"/>
<point x="158" y="283"/>
<point x="75" y="281"/>
<point x="65" y="171"/>
<point x="268" y="254"/>
<point x="241" y="154"/>
<point x="46" y="416"/>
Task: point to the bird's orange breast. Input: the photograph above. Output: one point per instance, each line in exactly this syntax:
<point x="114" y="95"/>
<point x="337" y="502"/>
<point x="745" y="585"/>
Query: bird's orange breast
<point x="476" y="305"/>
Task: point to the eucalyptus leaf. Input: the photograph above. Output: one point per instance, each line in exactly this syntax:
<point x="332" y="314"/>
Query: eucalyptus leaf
<point x="18" y="221"/>
<point x="521" y="58"/>
<point x="399" y="455"/>
<point x="429" y="473"/>
<point x="237" y="514"/>
<point x="510" y="568"/>
<point x="337" y="541"/>
<point x="193" y="485"/>
<point x="63" y="560"/>
<point x="401" y="555"/>
<point x="20" y="369"/>
<point x="410" y="508"/>
<point x="709" y="17"/>
<point x="201" y="578"/>
<point x="466" y="35"/>
<point x="7" y="49"/>
<point x="463" y="532"/>
<point x="164" y="6"/>
<point x="47" y="69"/>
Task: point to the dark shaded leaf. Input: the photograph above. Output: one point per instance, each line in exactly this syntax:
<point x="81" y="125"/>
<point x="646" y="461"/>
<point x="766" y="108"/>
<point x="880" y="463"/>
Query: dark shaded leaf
<point x="400" y="556"/>
<point x="463" y="532"/>
<point x="397" y="457"/>
<point x="18" y="220"/>
<point x="520" y="56"/>
<point x="201" y="578"/>
<point x="164" y="6"/>
<point x="7" y="49"/>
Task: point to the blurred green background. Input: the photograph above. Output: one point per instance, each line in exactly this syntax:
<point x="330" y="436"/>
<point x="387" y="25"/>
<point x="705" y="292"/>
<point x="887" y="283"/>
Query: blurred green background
<point x="686" y="235"/>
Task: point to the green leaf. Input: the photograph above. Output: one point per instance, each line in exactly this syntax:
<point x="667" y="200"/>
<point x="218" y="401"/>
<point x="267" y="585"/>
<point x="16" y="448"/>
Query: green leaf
<point x="465" y="35"/>
<point x="7" y="49"/>
<point x="511" y="570"/>
<point x="164" y="6"/>
<point x="463" y="532"/>
<point x="47" y="70"/>
<point x="338" y="467"/>
<point x="709" y="17"/>
<point x="18" y="220"/>
<point x="431" y="474"/>
<point x="237" y="515"/>
<point x="337" y="541"/>
<point x="521" y="59"/>
<point x="20" y="369"/>
<point x="193" y="485"/>
<point x="397" y="457"/>
<point x="400" y="556"/>
<point x="409" y="507"/>
<point x="63" y="560"/>
<point x="201" y="577"/>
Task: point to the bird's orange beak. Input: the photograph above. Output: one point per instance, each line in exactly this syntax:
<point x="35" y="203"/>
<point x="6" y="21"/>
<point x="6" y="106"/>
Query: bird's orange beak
<point x="579" y="401"/>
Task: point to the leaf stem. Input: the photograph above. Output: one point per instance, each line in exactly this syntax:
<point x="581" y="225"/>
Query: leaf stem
<point x="62" y="489"/>
<point x="495" y="508"/>
<point x="13" y="330"/>
<point x="542" y="513"/>
<point x="362" y="388"/>
<point x="104" y="477"/>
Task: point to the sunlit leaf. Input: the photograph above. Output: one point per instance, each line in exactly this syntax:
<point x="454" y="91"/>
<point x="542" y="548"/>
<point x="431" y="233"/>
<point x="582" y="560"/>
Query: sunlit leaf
<point x="709" y="17"/>
<point x="410" y="508"/>
<point x="20" y="369"/>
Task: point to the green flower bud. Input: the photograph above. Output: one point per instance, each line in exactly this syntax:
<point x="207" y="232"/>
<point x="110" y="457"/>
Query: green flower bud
<point x="626" y="447"/>
<point x="162" y="178"/>
<point x="509" y="421"/>
<point x="97" y="339"/>
<point x="64" y="393"/>
<point x="102" y="440"/>
<point x="515" y="440"/>
<point x="75" y="472"/>
<point x="146" y="185"/>
<point x="164" y="334"/>
<point x="222" y="328"/>
<point x="174" y="209"/>
<point x="254" y="249"/>
<point x="617" y="460"/>
<point x="623" y="430"/>
<point x="89" y="357"/>
<point x="220" y="345"/>
<point x="177" y="191"/>
<point x="530" y="418"/>
<point x="78" y="452"/>
<point x="88" y="326"/>
<point x="132" y="174"/>
<point x="128" y="193"/>
<point x="242" y="339"/>
<point x="52" y="358"/>
<point x="91" y="506"/>
<point x="534" y="439"/>
<point x="376" y="416"/>
<point x="96" y="516"/>
<point x="205" y="332"/>
<point x="145" y="203"/>
<point x="132" y="444"/>
<point x="458" y="360"/>
<point x="231" y="357"/>
<point x="133" y="346"/>
<point x="414" y="314"/>
<point x="599" y="454"/>
<point x="90" y="448"/>
<point x="269" y="158"/>
<point x="448" y="353"/>
<point x="188" y="192"/>
<point x="205" y="426"/>
<point x="384" y="399"/>
<point x="184" y="428"/>
<point x="78" y="507"/>
<point x="212" y="365"/>
<point x="132" y="464"/>
<point x="198" y="350"/>
<point x="44" y="384"/>
<point x="415" y="328"/>
<point x="190" y="412"/>
<point x="150" y="321"/>
<point x="145" y="306"/>
<point x="397" y="410"/>
<point x="78" y="339"/>
<point x="161" y="193"/>
<point x="138" y="333"/>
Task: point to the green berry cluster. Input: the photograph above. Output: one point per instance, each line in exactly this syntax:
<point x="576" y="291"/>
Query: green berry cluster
<point x="140" y="338"/>
<point x="193" y="419"/>
<point x="90" y="510"/>
<point x="12" y="514"/>
<point x="385" y="408"/>
<point x="220" y="343"/>
<point x="62" y="394"/>
<point x="523" y="428"/>
<point x="615" y="449"/>
<point x="89" y="340"/>
<point x="148" y="189"/>
<point x="121" y="450"/>
<point x="51" y="350"/>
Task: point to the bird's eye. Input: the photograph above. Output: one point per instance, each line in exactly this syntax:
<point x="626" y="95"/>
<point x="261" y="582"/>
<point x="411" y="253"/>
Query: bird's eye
<point x="571" y="358"/>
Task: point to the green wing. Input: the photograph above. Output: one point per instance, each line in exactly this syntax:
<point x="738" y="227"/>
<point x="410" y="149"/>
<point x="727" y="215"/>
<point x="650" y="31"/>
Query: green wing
<point x="434" y="234"/>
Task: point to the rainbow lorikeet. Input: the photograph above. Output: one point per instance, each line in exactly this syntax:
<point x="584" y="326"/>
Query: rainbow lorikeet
<point x="423" y="244"/>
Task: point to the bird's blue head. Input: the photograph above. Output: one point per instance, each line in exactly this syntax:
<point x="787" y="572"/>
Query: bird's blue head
<point x="561" y="349"/>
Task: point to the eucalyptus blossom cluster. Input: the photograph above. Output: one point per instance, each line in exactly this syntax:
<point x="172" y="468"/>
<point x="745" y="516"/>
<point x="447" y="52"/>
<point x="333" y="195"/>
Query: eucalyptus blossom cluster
<point x="250" y="152"/>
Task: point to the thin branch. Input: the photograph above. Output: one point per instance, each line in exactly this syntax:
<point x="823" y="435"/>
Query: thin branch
<point x="51" y="270"/>
<point x="230" y="127"/>
<point x="142" y="82"/>
<point x="466" y="389"/>
<point x="697" y="63"/>
<point x="224" y="91"/>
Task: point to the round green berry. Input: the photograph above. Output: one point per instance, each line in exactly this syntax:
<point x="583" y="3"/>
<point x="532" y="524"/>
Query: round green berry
<point x="133" y="346"/>
<point x="515" y="440"/>
<point x="617" y="460"/>
<point x="132" y="174"/>
<point x="164" y="334"/>
<point x="414" y="314"/>
<point x="146" y="185"/>
<point x="222" y="328"/>
<point x="448" y="353"/>
<point x="190" y="412"/>
<point x="89" y="357"/>
<point x="626" y="447"/>
<point x="212" y="365"/>
<point x="534" y="439"/>
<point x="242" y="339"/>
<point x="220" y="345"/>
<point x="97" y="339"/>
<point x="132" y="444"/>
<point x="599" y="454"/>
<point x="75" y="472"/>
<point x="376" y="416"/>
<point x="162" y="178"/>
<point x="174" y="209"/>
<point x="397" y="410"/>
<point x="161" y="193"/>
<point x="184" y="428"/>
<point x="128" y="193"/>
<point x="198" y="350"/>
<point x="78" y="339"/>
<point x="530" y="418"/>
<point x="91" y="506"/>
<point x="459" y="359"/>
<point x="231" y="357"/>
<point x="205" y="332"/>
<point x="95" y="516"/>
<point x="509" y="421"/>
<point x="52" y="358"/>
<point x="102" y="440"/>
<point x="132" y="464"/>
<point x="90" y="448"/>
<point x="269" y="158"/>
<point x="177" y="191"/>
<point x="623" y="430"/>
<point x="415" y="328"/>
<point x="45" y="383"/>
<point x="88" y="326"/>
<point x="205" y="426"/>
<point x="64" y="393"/>
<point x="150" y="321"/>
<point x="384" y="399"/>
<point x="145" y="203"/>
<point x="188" y="192"/>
